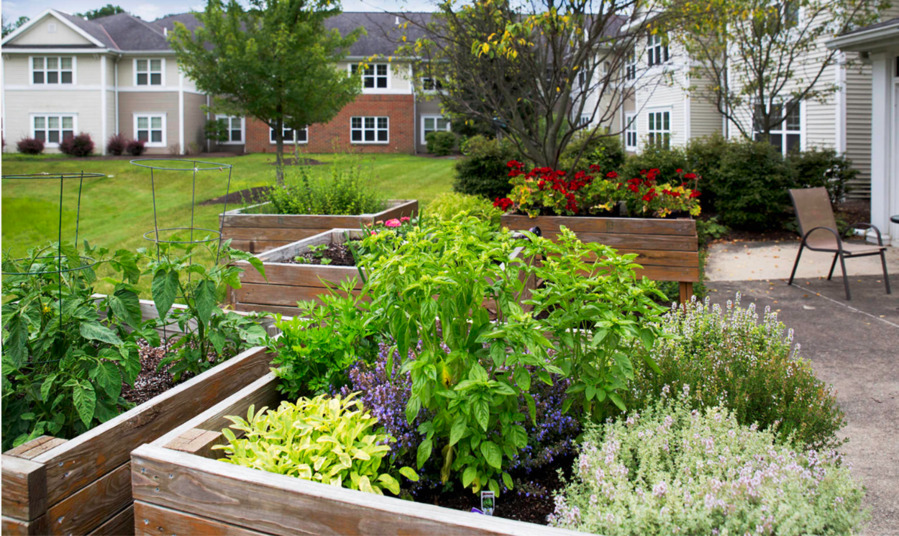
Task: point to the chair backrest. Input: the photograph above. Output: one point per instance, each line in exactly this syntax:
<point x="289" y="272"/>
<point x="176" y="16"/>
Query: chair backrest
<point x="813" y="209"/>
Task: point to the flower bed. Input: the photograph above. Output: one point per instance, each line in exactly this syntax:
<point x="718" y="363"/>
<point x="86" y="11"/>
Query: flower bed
<point x="667" y="249"/>
<point x="257" y="232"/>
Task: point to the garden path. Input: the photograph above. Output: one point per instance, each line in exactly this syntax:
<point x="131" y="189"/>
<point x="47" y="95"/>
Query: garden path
<point x="854" y="346"/>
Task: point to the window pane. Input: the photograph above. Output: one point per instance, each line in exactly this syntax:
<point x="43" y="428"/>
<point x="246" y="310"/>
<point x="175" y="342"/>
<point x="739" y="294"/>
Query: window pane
<point x="793" y="120"/>
<point x="141" y="65"/>
<point x="369" y="122"/>
<point x="53" y="77"/>
<point x="68" y="122"/>
<point x="429" y="123"/>
<point x="155" y="122"/>
<point x="235" y="135"/>
<point x="777" y="141"/>
<point x="382" y="82"/>
<point x="52" y="63"/>
<point x="143" y="123"/>
<point x="356" y="135"/>
<point x="356" y="122"/>
<point x="53" y="121"/>
<point x="667" y="117"/>
<point x="156" y="79"/>
<point x="38" y="77"/>
<point x="40" y="135"/>
<point x="442" y="124"/>
<point x="382" y="135"/>
<point x="39" y="122"/>
<point x="66" y="63"/>
<point x="793" y="142"/>
<point x="68" y="134"/>
<point x="382" y="70"/>
<point x="67" y="77"/>
<point x="369" y="135"/>
<point x="156" y="135"/>
<point x="38" y="63"/>
<point x="368" y="82"/>
<point x="302" y="134"/>
<point x="141" y="79"/>
<point x="382" y="122"/>
<point x="54" y="136"/>
<point x="142" y="135"/>
<point x="652" y="122"/>
<point x="354" y="69"/>
<point x="156" y="65"/>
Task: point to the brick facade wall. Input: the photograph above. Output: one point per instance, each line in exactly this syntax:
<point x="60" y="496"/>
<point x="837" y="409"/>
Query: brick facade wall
<point x="335" y="135"/>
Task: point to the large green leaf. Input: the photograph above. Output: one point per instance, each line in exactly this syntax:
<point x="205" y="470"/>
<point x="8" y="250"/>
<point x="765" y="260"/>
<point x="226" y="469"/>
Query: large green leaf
<point x="85" y="400"/>
<point x="15" y="348"/>
<point x="95" y="331"/>
<point x="205" y="300"/>
<point x="424" y="452"/>
<point x="492" y="454"/>
<point x="164" y="290"/>
<point x="458" y="430"/>
<point x="125" y="304"/>
<point x="482" y="413"/>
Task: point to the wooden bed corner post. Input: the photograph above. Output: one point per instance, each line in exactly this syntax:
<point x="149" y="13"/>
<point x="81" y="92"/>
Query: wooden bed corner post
<point x="686" y="292"/>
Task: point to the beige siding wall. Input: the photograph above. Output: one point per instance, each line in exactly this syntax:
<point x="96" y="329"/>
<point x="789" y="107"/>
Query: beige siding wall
<point x="858" y="123"/>
<point x="661" y="88"/>
<point x="51" y="31"/>
<point x="17" y="70"/>
<point x="705" y="119"/>
<point x="127" y="71"/>
<point x="424" y="107"/>
<point x="157" y="103"/>
<point x="21" y="105"/>
<point x="194" y="121"/>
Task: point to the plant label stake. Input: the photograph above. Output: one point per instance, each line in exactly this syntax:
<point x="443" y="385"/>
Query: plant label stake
<point x="488" y="500"/>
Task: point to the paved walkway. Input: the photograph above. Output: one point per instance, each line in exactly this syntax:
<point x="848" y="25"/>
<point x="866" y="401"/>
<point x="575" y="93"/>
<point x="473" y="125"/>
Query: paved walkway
<point x="852" y="345"/>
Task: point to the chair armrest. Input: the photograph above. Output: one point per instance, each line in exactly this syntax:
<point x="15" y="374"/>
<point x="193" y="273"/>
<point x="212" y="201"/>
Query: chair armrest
<point x="833" y="231"/>
<point x="869" y="226"/>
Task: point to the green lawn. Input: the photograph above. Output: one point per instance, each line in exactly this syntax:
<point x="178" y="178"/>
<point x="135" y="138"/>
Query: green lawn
<point x="117" y="210"/>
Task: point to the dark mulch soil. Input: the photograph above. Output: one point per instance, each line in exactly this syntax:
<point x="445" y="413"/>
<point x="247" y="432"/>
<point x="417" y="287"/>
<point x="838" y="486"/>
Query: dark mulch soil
<point x="250" y="195"/>
<point x="150" y="382"/>
<point x="339" y="254"/>
<point x="300" y="162"/>
<point x="530" y="501"/>
<point x="851" y="211"/>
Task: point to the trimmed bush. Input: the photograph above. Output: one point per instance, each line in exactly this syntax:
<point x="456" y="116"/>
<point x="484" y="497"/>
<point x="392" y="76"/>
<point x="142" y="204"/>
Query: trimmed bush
<point x="345" y="192"/>
<point x="30" y="146"/>
<point x="736" y="360"/>
<point x="823" y="167"/>
<point x="607" y="152"/>
<point x="441" y="143"/>
<point x="751" y="186"/>
<point x="448" y="205"/>
<point x="482" y="169"/>
<point x="670" y="470"/>
<point x="135" y="147"/>
<point x="667" y="161"/>
<point x="116" y="145"/>
<point x="704" y="158"/>
<point x="80" y="145"/>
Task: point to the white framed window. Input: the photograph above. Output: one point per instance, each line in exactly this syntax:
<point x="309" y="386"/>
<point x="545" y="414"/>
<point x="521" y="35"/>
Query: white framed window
<point x="369" y="130"/>
<point x="630" y="66"/>
<point x="630" y="132"/>
<point x="431" y="84"/>
<point x="150" y="128"/>
<point x="52" y="70"/>
<point x="234" y="126"/>
<point x="583" y="120"/>
<point x="657" y="49"/>
<point x="374" y="76"/>
<point x="301" y="135"/>
<point x="52" y="128"/>
<point x="787" y="136"/>
<point x="149" y="72"/>
<point x="659" y="131"/>
<point x="433" y="123"/>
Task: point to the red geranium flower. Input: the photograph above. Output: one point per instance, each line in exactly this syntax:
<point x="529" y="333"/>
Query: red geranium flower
<point x="678" y="170"/>
<point x="502" y="203"/>
<point x="694" y="193"/>
<point x="612" y="175"/>
<point x="690" y="176"/>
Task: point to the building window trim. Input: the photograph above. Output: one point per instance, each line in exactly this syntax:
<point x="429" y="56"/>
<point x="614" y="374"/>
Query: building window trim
<point x="374" y="76"/>
<point x="658" y="127"/>
<point x="46" y="129"/>
<point x="790" y="131"/>
<point x="430" y="84"/>
<point x="657" y="50"/>
<point x="58" y="71"/>
<point x="630" y="131"/>
<point x="149" y="72"/>
<point x="435" y="118"/>
<point x="150" y="129"/>
<point x="630" y="66"/>
<point x="375" y="126"/>
<point x="302" y="135"/>
<point x="229" y="126"/>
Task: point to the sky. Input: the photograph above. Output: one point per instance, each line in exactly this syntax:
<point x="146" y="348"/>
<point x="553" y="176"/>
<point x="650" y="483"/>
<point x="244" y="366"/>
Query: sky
<point x="153" y="9"/>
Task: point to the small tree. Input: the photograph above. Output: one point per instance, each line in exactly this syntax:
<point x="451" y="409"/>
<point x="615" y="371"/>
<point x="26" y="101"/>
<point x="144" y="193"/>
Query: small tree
<point x="532" y="70"/>
<point x="10" y="27"/>
<point x="758" y="59"/>
<point x="104" y="11"/>
<point x="274" y="60"/>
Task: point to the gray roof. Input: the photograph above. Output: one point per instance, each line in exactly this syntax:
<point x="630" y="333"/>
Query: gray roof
<point x="92" y="28"/>
<point x="383" y="30"/>
<point x="884" y="24"/>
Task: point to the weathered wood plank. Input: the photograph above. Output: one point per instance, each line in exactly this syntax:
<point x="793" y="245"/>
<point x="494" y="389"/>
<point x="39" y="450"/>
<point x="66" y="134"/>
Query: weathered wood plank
<point x="304" y="275"/>
<point x="35" y="447"/>
<point x="197" y="441"/>
<point x="281" y="505"/>
<point x="155" y="520"/>
<point x="272" y="309"/>
<point x="90" y="506"/>
<point x="625" y="242"/>
<point x="550" y="225"/>
<point x="17" y="527"/>
<point x="24" y="488"/>
<point x="96" y="452"/>
<point x="121" y="524"/>
<point x="282" y="295"/>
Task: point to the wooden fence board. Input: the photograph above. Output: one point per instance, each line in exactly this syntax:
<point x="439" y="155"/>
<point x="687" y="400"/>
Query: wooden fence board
<point x="89" y="507"/>
<point x="35" y="447"/>
<point x="17" y="527"/>
<point x="24" y="488"/>
<point x="154" y="520"/>
<point x="121" y="524"/>
<point x="550" y="225"/>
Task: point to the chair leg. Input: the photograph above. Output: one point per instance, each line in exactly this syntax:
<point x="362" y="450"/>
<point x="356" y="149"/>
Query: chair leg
<point x="796" y="264"/>
<point x="845" y="278"/>
<point x="886" y="276"/>
<point x="833" y="265"/>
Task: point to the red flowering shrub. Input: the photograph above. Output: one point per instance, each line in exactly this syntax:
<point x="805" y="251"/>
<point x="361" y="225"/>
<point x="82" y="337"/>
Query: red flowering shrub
<point x="30" y="146"/>
<point x="80" y="145"/>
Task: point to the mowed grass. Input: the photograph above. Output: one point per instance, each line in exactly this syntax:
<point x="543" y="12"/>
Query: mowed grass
<point x="117" y="210"/>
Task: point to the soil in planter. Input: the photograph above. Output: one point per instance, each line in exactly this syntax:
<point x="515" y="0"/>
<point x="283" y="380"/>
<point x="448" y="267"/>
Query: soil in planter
<point x="338" y="254"/>
<point x="151" y="381"/>
<point x="531" y="500"/>
<point x="250" y="195"/>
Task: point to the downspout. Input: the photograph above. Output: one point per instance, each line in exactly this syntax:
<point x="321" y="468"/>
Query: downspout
<point x="181" y="148"/>
<point x="115" y="76"/>
<point x="841" y="97"/>
<point x="104" y="119"/>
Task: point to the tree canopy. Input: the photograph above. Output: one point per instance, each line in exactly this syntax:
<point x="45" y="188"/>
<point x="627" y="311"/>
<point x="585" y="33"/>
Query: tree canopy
<point x="274" y="60"/>
<point x="10" y="27"/>
<point x="104" y="11"/>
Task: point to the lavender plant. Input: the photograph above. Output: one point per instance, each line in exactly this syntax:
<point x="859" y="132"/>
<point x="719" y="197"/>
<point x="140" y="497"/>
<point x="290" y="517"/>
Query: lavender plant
<point x="671" y="470"/>
<point x="746" y="362"/>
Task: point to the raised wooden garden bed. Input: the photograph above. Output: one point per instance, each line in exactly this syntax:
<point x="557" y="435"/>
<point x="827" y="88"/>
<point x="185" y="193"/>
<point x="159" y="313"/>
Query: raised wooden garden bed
<point x="180" y="488"/>
<point x="287" y="283"/>
<point x="83" y="485"/>
<point x="257" y="233"/>
<point x="668" y="249"/>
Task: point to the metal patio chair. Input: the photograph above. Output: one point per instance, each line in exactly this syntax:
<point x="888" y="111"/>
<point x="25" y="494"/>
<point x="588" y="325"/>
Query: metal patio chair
<point x="819" y="233"/>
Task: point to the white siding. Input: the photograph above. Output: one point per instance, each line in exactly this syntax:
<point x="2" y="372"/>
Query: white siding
<point x="20" y="105"/>
<point x="398" y="77"/>
<point x="16" y="70"/>
<point x="705" y="119"/>
<point x="661" y="88"/>
<point x="51" y="31"/>
<point x="858" y="124"/>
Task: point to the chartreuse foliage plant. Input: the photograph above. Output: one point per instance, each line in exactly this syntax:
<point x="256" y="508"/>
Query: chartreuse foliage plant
<point x="332" y="440"/>
<point x="672" y="470"/>
<point x="187" y="273"/>
<point x="63" y="362"/>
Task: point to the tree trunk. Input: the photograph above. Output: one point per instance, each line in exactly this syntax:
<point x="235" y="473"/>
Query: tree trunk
<point x="279" y="152"/>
